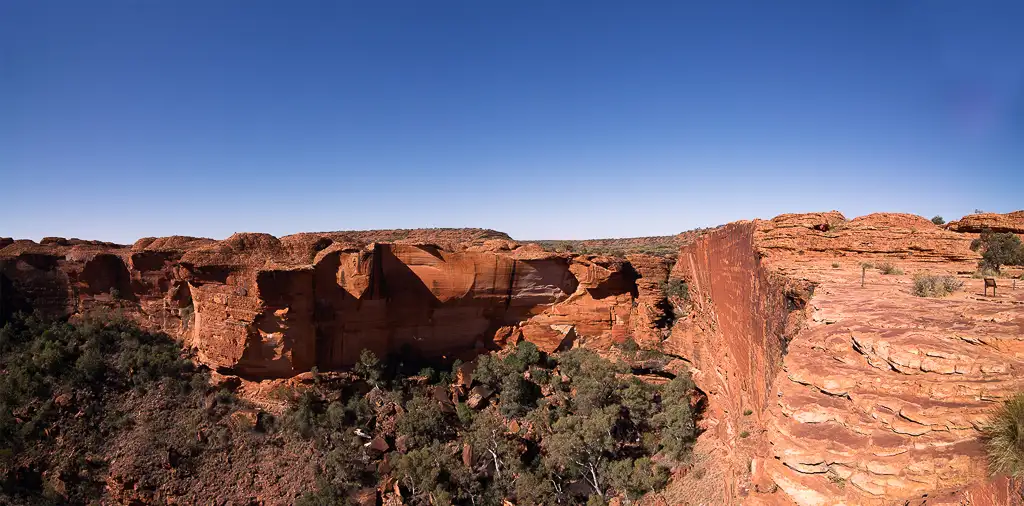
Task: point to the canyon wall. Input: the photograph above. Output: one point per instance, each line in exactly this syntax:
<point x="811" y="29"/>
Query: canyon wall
<point x="262" y="307"/>
<point x="827" y="382"/>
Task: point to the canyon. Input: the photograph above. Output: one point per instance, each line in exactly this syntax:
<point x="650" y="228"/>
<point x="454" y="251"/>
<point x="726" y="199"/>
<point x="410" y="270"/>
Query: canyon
<point x="826" y="382"/>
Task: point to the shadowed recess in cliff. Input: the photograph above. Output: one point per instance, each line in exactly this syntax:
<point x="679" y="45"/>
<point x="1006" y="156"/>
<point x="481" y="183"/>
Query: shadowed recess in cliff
<point x="106" y="274"/>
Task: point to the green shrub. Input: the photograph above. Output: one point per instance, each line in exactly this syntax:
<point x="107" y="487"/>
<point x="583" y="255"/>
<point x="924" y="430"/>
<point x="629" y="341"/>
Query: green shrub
<point x="938" y="220"/>
<point x="369" y="367"/>
<point x="1004" y="438"/>
<point x="518" y="395"/>
<point x="423" y="421"/>
<point x="634" y="478"/>
<point x="522" y="357"/>
<point x="676" y="288"/>
<point x="888" y="268"/>
<point x="835" y="265"/>
<point x="929" y="285"/>
<point x="998" y="249"/>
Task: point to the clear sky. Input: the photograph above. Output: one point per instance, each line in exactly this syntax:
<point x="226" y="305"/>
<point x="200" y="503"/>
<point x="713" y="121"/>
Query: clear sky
<point x="543" y="119"/>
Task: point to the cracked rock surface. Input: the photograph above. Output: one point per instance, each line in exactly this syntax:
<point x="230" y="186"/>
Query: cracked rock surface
<point x="882" y="395"/>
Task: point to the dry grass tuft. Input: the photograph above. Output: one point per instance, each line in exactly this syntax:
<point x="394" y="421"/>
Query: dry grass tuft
<point x="888" y="268"/>
<point x="1004" y="438"/>
<point x="930" y="285"/>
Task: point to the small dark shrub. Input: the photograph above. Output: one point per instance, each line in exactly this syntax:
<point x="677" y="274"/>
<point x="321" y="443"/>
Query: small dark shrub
<point x="676" y="288"/>
<point x="888" y="268"/>
<point x="938" y="220"/>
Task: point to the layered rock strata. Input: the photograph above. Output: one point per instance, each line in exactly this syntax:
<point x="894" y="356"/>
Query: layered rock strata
<point x="261" y="307"/>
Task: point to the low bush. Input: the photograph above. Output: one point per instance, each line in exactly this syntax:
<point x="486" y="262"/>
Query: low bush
<point x="938" y="220"/>
<point x="888" y="268"/>
<point x="930" y="285"/>
<point x="1004" y="438"/>
<point x="676" y="288"/>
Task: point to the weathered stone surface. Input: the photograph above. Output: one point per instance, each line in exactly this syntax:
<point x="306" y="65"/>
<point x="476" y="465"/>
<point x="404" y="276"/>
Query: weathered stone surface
<point x="876" y="396"/>
<point x="975" y="223"/>
<point x="477" y="396"/>
<point x="801" y="237"/>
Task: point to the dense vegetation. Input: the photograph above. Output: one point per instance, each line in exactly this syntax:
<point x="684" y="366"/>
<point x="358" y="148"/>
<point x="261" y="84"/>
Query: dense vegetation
<point x="64" y="396"/>
<point x="657" y="246"/>
<point x="81" y="405"/>
<point x="561" y="429"/>
<point x="998" y="249"/>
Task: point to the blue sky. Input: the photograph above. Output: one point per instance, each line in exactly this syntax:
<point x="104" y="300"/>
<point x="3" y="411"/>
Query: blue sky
<point x="122" y="119"/>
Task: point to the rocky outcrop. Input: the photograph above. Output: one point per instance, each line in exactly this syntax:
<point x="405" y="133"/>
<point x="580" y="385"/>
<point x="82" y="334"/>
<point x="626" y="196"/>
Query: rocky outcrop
<point x="259" y="306"/>
<point x="794" y="237"/>
<point x="825" y="392"/>
<point x="976" y="223"/>
<point x="882" y="397"/>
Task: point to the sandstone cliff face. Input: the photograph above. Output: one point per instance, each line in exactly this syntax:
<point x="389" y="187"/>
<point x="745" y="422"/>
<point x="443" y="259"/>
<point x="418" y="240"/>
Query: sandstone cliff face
<point x="820" y="391"/>
<point x="823" y="392"/>
<point x="260" y="307"/>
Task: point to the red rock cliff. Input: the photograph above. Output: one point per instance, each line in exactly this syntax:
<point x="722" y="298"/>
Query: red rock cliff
<point x="260" y="306"/>
<point x="822" y="391"/>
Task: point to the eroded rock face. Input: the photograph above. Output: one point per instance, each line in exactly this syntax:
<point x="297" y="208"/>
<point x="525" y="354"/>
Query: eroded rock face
<point x="884" y="392"/>
<point x="819" y="391"/>
<point x="261" y="307"/>
<point x="792" y="236"/>
<point x="975" y="223"/>
<point x="847" y="394"/>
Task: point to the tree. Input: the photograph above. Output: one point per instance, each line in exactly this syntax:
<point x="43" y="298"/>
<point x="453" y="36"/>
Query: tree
<point x="423" y="421"/>
<point x="678" y="429"/>
<point x="639" y="398"/>
<point x="938" y="220"/>
<point x="998" y="249"/>
<point x="420" y="470"/>
<point x="593" y="378"/>
<point x="538" y="488"/>
<point x="490" y="370"/>
<point x="579" y="446"/>
<point x="368" y="367"/>
<point x="634" y="478"/>
<point x="517" y="395"/>
<point x="488" y="437"/>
